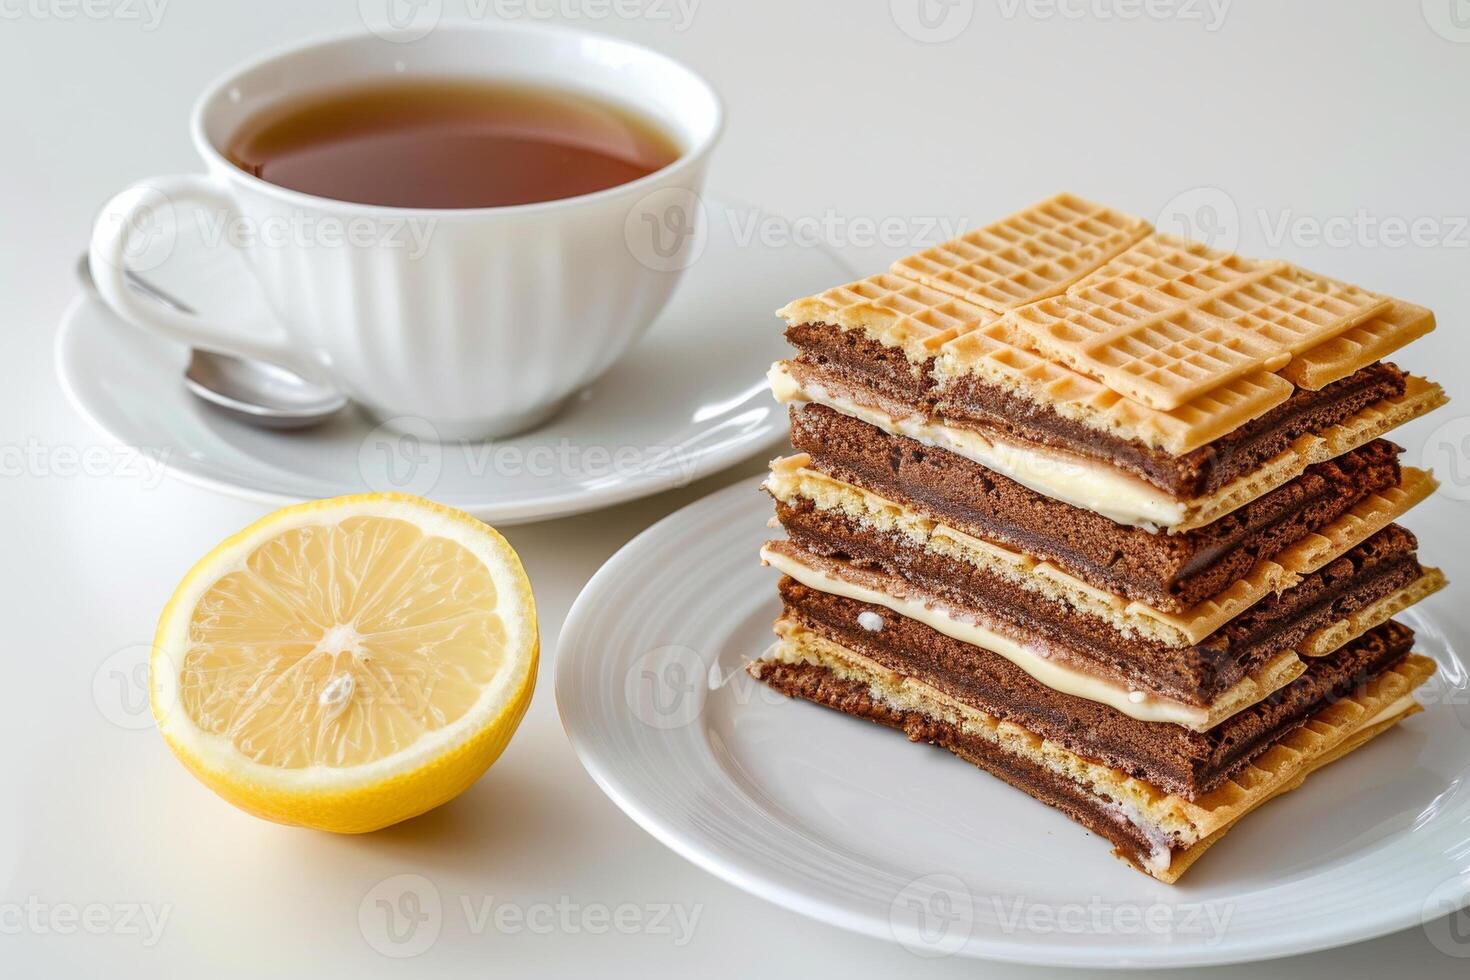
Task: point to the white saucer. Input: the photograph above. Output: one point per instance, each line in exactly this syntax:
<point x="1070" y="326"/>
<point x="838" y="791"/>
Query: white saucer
<point x="688" y="400"/>
<point x="847" y="822"/>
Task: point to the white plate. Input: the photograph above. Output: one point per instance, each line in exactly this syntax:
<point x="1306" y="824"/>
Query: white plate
<point x="688" y="400"/>
<point x="848" y="823"/>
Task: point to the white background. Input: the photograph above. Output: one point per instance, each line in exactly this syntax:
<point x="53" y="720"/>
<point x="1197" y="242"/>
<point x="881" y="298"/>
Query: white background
<point x="1279" y="119"/>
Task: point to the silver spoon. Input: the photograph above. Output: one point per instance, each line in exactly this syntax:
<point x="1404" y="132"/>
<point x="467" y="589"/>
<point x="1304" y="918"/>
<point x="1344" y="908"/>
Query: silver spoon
<point x="256" y="392"/>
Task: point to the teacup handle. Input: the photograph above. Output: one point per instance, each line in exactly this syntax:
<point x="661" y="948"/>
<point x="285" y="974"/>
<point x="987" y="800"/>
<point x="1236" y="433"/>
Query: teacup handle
<point x="114" y="242"/>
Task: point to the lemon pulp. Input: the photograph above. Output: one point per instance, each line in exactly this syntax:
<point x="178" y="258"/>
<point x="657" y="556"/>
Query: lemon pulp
<point x="300" y="669"/>
<point x="347" y="663"/>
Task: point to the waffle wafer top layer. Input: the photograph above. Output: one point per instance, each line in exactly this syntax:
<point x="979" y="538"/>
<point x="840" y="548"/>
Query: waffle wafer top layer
<point x="1084" y="311"/>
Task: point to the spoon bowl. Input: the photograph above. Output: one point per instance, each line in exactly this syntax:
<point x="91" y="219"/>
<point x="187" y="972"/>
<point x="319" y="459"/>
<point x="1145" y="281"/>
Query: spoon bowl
<point x="261" y="394"/>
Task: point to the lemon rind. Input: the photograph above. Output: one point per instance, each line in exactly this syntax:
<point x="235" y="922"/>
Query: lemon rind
<point x="215" y="758"/>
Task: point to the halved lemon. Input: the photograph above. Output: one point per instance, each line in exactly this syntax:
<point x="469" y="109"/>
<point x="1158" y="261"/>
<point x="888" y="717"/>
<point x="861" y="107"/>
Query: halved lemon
<point x="348" y="663"/>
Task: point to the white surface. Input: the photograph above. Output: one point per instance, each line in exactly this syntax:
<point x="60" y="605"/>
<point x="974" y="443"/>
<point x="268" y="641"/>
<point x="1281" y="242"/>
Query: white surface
<point x="704" y="365"/>
<point x="848" y="823"/>
<point x="1355" y="111"/>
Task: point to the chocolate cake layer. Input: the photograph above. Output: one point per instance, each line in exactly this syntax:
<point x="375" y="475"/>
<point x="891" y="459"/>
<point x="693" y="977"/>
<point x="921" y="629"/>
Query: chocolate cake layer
<point x="1168" y="756"/>
<point x="819" y="685"/>
<point x="1171" y="572"/>
<point x="981" y="404"/>
<point x="1196" y="674"/>
<point x="1203" y="471"/>
<point x="865" y="361"/>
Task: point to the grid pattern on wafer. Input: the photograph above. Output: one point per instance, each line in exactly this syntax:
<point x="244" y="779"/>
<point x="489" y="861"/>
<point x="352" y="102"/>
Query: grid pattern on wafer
<point x="1319" y="366"/>
<point x="995" y="351"/>
<point x="1172" y="268"/>
<point x="895" y="311"/>
<point x="1176" y="322"/>
<point x="1032" y="254"/>
<point x="1165" y="340"/>
<point x="1160" y="259"/>
<point x="1158" y="353"/>
<point x="1295" y="309"/>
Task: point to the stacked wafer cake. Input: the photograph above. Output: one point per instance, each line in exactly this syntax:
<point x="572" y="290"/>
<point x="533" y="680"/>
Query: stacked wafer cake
<point x="1106" y="513"/>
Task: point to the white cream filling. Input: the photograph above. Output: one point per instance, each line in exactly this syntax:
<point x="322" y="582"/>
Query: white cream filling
<point x="1160" y="844"/>
<point x="1091" y="485"/>
<point x="1059" y="677"/>
<point x="1391" y="711"/>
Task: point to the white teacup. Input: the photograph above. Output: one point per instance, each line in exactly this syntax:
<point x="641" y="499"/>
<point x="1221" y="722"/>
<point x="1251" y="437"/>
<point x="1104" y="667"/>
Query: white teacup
<point x="480" y="320"/>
